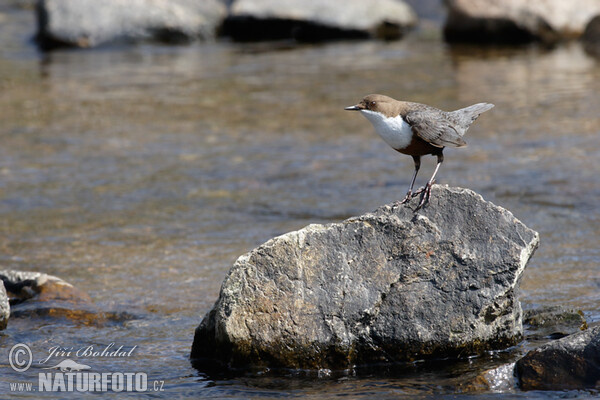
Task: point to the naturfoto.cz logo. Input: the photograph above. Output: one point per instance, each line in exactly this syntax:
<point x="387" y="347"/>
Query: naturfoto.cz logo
<point x="69" y="375"/>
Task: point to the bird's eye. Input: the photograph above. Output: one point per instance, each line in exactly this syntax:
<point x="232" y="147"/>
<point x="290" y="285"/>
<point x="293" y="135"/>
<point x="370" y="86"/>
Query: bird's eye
<point x="372" y="103"/>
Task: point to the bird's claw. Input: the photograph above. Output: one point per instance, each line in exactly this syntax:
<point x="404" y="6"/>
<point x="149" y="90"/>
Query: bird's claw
<point x="418" y="191"/>
<point x="426" y="193"/>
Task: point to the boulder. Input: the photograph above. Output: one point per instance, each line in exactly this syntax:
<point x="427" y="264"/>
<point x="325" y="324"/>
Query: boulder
<point x="315" y="20"/>
<point x="517" y="20"/>
<point x="88" y="23"/>
<point x="572" y="362"/>
<point x="390" y="285"/>
<point x="591" y="37"/>
<point x="4" y="308"/>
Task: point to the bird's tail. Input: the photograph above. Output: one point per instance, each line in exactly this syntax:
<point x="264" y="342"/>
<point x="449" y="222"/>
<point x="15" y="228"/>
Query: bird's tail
<point x="466" y="116"/>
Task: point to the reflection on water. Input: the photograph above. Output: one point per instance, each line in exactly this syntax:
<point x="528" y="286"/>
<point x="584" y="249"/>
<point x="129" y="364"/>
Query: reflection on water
<point x="140" y="173"/>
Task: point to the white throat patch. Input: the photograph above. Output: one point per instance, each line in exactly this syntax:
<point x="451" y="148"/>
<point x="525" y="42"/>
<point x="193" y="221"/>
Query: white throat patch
<point x="394" y="130"/>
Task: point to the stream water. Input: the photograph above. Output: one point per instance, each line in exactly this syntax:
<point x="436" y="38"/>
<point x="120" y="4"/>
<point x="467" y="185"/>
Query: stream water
<point x="140" y="173"/>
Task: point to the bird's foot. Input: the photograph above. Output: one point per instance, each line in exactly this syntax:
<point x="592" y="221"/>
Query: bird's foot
<point x="426" y="193"/>
<point x="409" y="195"/>
<point x="423" y="188"/>
<point x="418" y="191"/>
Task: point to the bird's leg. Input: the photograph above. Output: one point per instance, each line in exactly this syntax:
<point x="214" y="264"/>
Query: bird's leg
<point x="427" y="189"/>
<point x="417" y="160"/>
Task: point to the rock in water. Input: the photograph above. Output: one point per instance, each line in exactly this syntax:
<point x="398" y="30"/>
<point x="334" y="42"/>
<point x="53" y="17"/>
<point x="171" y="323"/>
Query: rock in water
<point x="88" y="23"/>
<point x="572" y="362"/>
<point x="517" y="20"/>
<point x="391" y="285"/>
<point x="317" y="20"/>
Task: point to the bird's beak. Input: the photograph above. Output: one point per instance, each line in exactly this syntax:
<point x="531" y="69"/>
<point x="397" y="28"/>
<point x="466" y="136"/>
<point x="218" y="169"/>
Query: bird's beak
<point x="354" y="108"/>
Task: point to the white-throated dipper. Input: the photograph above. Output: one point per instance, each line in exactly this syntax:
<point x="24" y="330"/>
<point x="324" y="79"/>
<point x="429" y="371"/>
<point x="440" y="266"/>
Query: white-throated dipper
<point x="417" y="130"/>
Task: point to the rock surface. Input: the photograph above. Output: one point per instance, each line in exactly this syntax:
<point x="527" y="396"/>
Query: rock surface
<point x="591" y="37"/>
<point x="572" y="362"/>
<point x="314" y="20"/>
<point x="4" y="308"/>
<point x="517" y="20"/>
<point x="87" y="23"/>
<point x="391" y="285"/>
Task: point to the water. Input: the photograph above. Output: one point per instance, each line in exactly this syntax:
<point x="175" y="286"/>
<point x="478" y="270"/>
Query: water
<point x="140" y="173"/>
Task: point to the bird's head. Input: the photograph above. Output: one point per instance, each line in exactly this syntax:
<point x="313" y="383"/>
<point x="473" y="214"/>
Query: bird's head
<point x="375" y="103"/>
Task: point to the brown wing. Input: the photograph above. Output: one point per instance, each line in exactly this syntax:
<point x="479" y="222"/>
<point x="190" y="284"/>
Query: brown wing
<point x="434" y="128"/>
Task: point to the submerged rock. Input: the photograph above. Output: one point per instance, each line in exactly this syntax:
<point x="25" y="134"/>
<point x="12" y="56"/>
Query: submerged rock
<point x="572" y="362"/>
<point x="314" y="20"/>
<point x="88" y="23"/>
<point x="517" y="20"/>
<point x="391" y="285"/>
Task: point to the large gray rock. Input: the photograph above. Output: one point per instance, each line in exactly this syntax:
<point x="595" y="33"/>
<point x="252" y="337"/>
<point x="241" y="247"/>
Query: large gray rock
<point x="87" y="23"/>
<point x="4" y="308"/>
<point x="313" y="20"/>
<point x="572" y="362"/>
<point x="385" y="286"/>
<point x="517" y="20"/>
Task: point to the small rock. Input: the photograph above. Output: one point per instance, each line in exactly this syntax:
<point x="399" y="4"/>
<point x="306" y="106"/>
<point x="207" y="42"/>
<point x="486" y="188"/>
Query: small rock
<point x="517" y="20"/>
<point x="88" y="23"/>
<point x="591" y="37"/>
<point x="315" y="20"/>
<point x="553" y="322"/>
<point x="572" y="362"/>
<point x="391" y="285"/>
<point x="25" y="285"/>
<point x="35" y="294"/>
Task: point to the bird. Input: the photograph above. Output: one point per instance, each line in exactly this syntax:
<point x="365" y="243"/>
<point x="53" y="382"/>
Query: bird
<point x="417" y="130"/>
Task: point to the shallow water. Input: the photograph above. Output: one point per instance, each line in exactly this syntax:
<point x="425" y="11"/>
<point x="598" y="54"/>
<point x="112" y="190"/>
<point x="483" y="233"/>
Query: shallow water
<point x="140" y="173"/>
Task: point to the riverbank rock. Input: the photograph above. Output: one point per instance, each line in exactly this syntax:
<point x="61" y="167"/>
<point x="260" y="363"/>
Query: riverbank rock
<point x="591" y="37"/>
<point x="88" y="23"/>
<point x="314" y="20"/>
<point x="572" y="362"/>
<point x="517" y="20"/>
<point x="391" y="285"/>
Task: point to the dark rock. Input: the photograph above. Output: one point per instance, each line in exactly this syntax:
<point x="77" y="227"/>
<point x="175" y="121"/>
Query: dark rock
<point x="88" y="23"/>
<point x="591" y="37"/>
<point x="4" y="308"/>
<point x="313" y="20"/>
<point x="572" y="362"/>
<point x="392" y="285"/>
<point x="517" y="21"/>
<point x="553" y="322"/>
